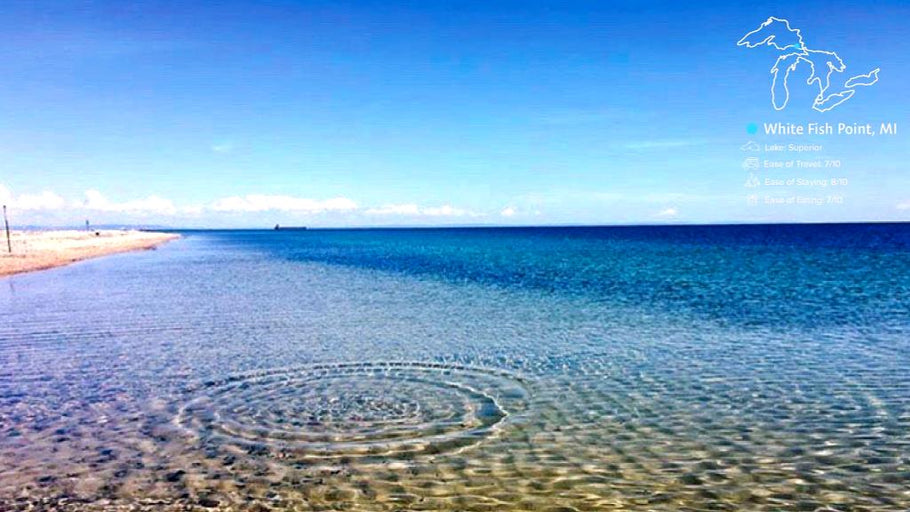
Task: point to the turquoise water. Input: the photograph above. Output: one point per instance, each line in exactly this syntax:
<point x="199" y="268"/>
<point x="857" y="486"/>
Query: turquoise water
<point x="677" y="368"/>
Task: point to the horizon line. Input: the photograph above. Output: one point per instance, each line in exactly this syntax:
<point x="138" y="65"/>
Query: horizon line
<point x="147" y="227"/>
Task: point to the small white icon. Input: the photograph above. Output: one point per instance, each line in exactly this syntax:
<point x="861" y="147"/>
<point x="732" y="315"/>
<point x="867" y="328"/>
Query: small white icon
<point x="834" y="90"/>
<point x="752" y="182"/>
<point x="752" y="199"/>
<point x="751" y="164"/>
<point x="750" y="146"/>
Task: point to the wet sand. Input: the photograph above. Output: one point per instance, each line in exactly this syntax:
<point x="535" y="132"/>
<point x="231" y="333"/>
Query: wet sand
<point x="39" y="250"/>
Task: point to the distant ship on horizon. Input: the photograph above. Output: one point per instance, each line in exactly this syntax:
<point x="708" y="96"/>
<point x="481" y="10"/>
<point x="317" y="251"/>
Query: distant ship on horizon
<point x="290" y="228"/>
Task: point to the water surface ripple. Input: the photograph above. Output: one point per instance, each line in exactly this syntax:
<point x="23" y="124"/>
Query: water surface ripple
<point x="691" y="368"/>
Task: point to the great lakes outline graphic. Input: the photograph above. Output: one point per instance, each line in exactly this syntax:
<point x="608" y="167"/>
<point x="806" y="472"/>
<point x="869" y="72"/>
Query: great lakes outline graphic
<point x="777" y="33"/>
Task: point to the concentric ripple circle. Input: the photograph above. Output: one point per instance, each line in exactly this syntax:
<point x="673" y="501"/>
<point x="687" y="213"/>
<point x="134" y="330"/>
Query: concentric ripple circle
<point x="381" y="409"/>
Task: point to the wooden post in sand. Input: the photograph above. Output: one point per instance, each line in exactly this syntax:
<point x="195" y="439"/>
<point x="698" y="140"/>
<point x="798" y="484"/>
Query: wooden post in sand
<point x="9" y="246"/>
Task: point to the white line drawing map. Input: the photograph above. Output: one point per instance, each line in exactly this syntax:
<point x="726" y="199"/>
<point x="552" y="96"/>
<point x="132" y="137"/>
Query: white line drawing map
<point x="825" y="66"/>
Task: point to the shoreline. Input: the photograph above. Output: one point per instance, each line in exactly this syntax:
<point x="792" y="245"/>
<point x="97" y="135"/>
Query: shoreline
<point x="43" y="250"/>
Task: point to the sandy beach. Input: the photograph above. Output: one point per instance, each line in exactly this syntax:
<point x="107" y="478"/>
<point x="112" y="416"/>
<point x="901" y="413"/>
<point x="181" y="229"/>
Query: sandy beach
<point x="39" y="250"/>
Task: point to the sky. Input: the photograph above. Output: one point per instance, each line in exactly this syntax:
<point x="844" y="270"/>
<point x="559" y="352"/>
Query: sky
<point x="376" y="113"/>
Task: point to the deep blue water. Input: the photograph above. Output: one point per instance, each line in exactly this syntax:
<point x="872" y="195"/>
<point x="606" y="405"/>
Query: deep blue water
<point x="633" y="368"/>
<point x="774" y="275"/>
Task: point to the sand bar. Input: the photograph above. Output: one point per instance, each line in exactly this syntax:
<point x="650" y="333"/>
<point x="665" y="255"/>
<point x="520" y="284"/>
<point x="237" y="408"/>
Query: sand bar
<point x="38" y="250"/>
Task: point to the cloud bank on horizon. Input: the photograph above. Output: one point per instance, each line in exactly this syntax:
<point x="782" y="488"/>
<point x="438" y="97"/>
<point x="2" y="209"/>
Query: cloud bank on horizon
<point x="48" y="208"/>
<point x="44" y="206"/>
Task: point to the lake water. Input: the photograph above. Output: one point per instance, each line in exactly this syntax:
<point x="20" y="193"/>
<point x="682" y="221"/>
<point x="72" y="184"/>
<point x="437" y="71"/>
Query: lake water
<point x="652" y="368"/>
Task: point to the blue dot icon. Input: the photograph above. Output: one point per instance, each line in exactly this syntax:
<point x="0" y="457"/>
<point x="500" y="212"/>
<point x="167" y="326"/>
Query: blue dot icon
<point x="752" y="128"/>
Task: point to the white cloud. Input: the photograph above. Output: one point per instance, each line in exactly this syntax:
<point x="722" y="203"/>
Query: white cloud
<point x="262" y="203"/>
<point x="46" y="200"/>
<point x="667" y="213"/>
<point x="903" y="206"/>
<point x="507" y="211"/>
<point x="395" y="209"/>
<point x="222" y="147"/>
<point x="94" y="200"/>
<point x="445" y="211"/>
<point x="95" y="204"/>
<point x="414" y="210"/>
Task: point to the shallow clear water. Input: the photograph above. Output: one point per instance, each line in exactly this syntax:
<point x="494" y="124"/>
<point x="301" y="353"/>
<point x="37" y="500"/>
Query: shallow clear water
<point x="729" y="368"/>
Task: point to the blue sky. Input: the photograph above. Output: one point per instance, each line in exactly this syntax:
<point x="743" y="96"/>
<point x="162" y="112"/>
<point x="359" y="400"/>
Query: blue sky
<point x="241" y="114"/>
